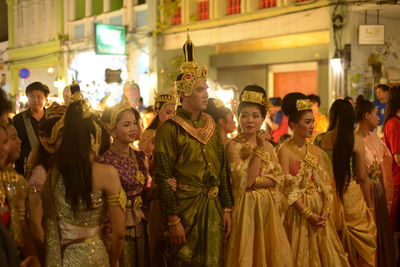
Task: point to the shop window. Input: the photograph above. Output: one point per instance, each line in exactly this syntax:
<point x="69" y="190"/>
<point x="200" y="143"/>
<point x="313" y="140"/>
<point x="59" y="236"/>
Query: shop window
<point x="97" y="7"/>
<point x="116" y="4"/>
<point x="233" y="7"/>
<point x="116" y="20"/>
<point x="177" y="18"/>
<point x="79" y="9"/>
<point x="267" y="3"/>
<point x="79" y="31"/>
<point x="141" y="18"/>
<point x="203" y="10"/>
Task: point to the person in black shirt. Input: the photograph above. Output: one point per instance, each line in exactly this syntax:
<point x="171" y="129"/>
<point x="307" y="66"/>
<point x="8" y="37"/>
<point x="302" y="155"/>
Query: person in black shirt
<point x="27" y="122"/>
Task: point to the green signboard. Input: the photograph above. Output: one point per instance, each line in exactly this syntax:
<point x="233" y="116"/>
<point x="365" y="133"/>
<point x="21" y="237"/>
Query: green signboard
<point x="110" y="39"/>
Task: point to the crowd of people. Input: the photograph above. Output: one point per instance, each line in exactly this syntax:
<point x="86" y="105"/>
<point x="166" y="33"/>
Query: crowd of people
<point x="308" y="191"/>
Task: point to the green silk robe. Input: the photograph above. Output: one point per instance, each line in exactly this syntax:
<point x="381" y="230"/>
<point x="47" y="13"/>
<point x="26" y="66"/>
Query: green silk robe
<point x="197" y="167"/>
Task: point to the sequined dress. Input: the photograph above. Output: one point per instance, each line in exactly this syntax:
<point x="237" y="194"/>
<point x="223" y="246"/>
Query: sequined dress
<point x="133" y="176"/>
<point x="258" y="237"/>
<point x="308" y="180"/>
<point x="72" y="240"/>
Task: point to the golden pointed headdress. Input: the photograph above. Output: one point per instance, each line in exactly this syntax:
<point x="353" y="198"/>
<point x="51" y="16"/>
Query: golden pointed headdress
<point x="257" y="98"/>
<point x="161" y="100"/>
<point x="116" y="110"/>
<point x="303" y="104"/>
<point x="191" y="72"/>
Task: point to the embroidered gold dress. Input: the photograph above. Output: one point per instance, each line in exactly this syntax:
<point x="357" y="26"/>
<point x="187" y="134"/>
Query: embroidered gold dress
<point x="308" y="180"/>
<point x="12" y="189"/>
<point x="72" y="240"/>
<point x="355" y="221"/>
<point x="258" y="237"/>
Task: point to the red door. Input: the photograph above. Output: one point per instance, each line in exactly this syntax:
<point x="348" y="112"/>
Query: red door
<point x="302" y="81"/>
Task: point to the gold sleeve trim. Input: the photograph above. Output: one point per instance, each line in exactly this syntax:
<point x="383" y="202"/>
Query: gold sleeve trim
<point x="117" y="199"/>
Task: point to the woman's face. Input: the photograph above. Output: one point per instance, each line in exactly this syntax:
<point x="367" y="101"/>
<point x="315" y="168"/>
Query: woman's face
<point x="126" y="129"/>
<point x="4" y="146"/>
<point x="305" y="126"/>
<point x="372" y="118"/>
<point x="228" y="124"/>
<point x="14" y="144"/>
<point x="166" y="112"/>
<point x="250" y="120"/>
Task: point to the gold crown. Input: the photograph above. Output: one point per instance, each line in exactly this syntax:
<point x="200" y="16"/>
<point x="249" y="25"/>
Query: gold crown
<point x="257" y="98"/>
<point x="161" y="100"/>
<point x="303" y="104"/>
<point x="218" y="103"/>
<point x="191" y="72"/>
<point x="116" y="110"/>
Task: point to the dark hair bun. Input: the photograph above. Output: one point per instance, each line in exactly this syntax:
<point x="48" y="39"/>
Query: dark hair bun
<point x="243" y="104"/>
<point x="289" y="103"/>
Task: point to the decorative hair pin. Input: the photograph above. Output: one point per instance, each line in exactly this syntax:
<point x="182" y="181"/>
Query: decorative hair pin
<point x="218" y="103"/>
<point x="116" y="110"/>
<point x="303" y="104"/>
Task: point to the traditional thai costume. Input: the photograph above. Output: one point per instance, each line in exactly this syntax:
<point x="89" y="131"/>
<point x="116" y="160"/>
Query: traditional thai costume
<point x="379" y="165"/>
<point x="133" y="175"/>
<point x="73" y="237"/>
<point x="192" y="152"/>
<point x="157" y="241"/>
<point x="12" y="191"/>
<point x="309" y="180"/>
<point x="257" y="237"/>
<point x="354" y="220"/>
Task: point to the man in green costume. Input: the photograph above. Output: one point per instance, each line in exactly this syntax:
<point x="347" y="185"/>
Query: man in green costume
<point x="189" y="148"/>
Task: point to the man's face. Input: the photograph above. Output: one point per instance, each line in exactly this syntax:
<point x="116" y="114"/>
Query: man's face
<point x="36" y="100"/>
<point x="198" y="100"/>
<point x="381" y="94"/>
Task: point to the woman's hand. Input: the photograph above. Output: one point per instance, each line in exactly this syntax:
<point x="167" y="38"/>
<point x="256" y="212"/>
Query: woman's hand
<point x="316" y="220"/>
<point x="172" y="183"/>
<point x="261" y="138"/>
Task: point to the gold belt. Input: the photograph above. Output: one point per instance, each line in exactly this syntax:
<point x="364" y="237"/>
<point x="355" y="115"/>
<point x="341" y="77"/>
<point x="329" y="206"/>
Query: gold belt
<point x="211" y="192"/>
<point x="137" y="203"/>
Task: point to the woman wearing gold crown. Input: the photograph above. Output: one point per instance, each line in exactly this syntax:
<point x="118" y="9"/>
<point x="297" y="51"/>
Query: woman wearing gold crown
<point x="78" y="193"/>
<point x="189" y="148"/>
<point x="354" y="217"/>
<point x="121" y="123"/>
<point x="255" y="173"/>
<point x="308" y="224"/>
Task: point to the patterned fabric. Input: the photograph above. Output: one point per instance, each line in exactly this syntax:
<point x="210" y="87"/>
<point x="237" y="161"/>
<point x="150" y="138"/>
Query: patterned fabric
<point x="194" y="165"/>
<point x="256" y="224"/>
<point x="133" y="175"/>
<point x="72" y="239"/>
<point x="310" y="181"/>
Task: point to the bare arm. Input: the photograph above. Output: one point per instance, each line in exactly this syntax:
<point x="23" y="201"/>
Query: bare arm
<point x="361" y="172"/>
<point x="112" y="186"/>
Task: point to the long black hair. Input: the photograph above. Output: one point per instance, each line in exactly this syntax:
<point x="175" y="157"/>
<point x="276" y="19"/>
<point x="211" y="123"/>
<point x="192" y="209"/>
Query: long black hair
<point x="73" y="154"/>
<point x="393" y="104"/>
<point x="341" y="118"/>
<point x="362" y="106"/>
<point x="243" y="104"/>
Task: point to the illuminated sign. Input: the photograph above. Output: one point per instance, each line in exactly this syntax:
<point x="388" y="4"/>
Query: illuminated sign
<point x="24" y="73"/>
<point x="110" y="39"/>
<point x="371" y="35"/>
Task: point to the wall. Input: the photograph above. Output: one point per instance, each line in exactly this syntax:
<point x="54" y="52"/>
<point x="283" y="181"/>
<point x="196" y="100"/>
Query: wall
<point x="361" y="79"/>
